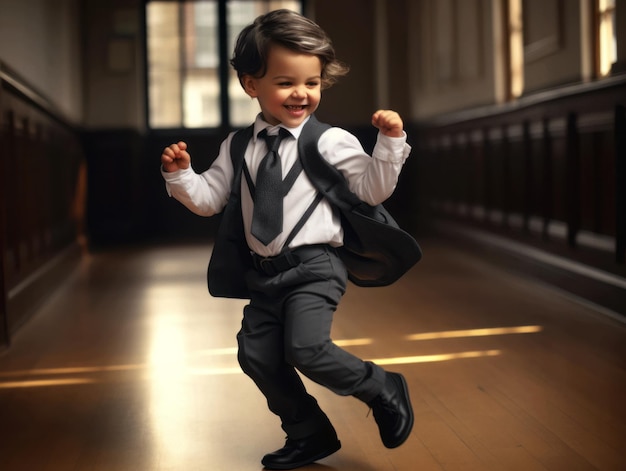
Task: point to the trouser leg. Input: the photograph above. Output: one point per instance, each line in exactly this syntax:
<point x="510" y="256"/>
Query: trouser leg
<point x="309" y="312"/>
<point x="261" y="356"/>
<point x="287" y="325"/>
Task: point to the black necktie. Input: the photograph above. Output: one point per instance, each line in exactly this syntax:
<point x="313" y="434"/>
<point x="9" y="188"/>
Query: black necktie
<point x="267" y="216"/>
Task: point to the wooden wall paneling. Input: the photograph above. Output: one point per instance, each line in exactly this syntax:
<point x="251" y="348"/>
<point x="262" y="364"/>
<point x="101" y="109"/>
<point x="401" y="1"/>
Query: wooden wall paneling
<point x="4" y="322"/>
<point x="54" y="179"/>
<point x="434" y="170"/>
<point x="38" y="198"/>
<point x="572" y="184"/>
<point x="551" y="165"/>
<point x="540" y="163"/>
<point x="547" y="181"/>
<point x="21" y="200"/>
<point x="464" y="150"/>
<point x="476" y="174"/>
<point x="31" y="192"/>
<point x="439" y="167"/>
<point x="487" y="158"/>
<point x="529" y="203"/>
<point x="597" y="154"/>
<point x="542" y="28"/>
<point x="47" y="205"/>
<point x="65" y="179"/>
<point x="497" y="162"/>
<point x="12" y="260"/>
<point x="457" y="152"/>
<point x="441" y="189"/>
<point x="559" y="174"/>
<point x="446" y="172"/>
<point x="27" y="195"/>
<point x="425" y="192"/>
<point x="505" y="179"/>
<point x="451" y="169"/>
<point x="516" y="178"/>
<point x="597" y="220"/>
<point x="43" y="189"/>
<point x="469" y="30"/>
<point x="620" y="183"/>
<point x="599" y="186"/>
<point x="606" y="183"/>
<point x="586" y="183"/>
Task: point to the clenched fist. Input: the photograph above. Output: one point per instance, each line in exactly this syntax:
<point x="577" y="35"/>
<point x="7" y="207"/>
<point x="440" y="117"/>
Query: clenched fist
<point x="389" y="123"/>
<point x="175" y="157"/>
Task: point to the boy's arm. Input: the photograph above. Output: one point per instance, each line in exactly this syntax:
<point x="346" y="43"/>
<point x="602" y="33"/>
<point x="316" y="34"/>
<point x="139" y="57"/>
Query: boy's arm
<point x="373" y="179"/>
<point x="206" y="193"/>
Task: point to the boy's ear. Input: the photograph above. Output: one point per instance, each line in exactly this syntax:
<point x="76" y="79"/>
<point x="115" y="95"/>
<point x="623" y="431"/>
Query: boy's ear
<point x="249" y="85"/>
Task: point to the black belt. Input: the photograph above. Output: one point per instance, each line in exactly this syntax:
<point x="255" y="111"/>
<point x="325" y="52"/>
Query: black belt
<point x="272" y="266"/>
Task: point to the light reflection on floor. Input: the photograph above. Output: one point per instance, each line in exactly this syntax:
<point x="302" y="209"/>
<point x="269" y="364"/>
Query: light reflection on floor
<point x="170" y="361"/>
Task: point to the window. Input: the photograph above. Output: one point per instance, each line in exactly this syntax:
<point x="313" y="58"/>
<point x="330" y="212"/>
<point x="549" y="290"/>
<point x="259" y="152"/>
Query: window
<point x="516" y="49"/>
<point x="186" y="85"/>
<point x="607" y="43"/>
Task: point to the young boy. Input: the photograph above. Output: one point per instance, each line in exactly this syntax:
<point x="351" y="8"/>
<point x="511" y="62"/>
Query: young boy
<point x="284" y="61"/>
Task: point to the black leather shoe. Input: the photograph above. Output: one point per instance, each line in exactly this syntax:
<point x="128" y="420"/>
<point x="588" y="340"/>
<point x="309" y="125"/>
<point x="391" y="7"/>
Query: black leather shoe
<point x="297" y="453"/>
<point x="393" y="412"/>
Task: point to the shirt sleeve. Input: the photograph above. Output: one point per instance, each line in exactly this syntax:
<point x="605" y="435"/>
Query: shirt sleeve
<point x="373" y="179"/>
<point x="203" y="193"/>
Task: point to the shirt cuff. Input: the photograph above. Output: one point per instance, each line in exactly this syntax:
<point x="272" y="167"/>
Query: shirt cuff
<point x="391" y="149"/>
<point x="178" y="178"/>
<point x="177" y="175"/>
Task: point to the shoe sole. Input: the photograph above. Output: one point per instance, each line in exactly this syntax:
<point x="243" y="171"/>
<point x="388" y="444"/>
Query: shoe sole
<point x="405" y="389"/>
<point x="313" y="459"/>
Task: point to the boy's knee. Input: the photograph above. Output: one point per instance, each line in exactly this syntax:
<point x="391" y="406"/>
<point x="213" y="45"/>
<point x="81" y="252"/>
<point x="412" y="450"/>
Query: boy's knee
<point x="305" y="357"/>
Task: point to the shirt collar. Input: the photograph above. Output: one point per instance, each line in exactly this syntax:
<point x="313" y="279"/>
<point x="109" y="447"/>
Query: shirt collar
<point x="260" y="124"/>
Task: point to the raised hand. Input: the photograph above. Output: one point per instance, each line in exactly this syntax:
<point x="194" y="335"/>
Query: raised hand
<point x="175" y="157"/>
<point x="388" y="122"/>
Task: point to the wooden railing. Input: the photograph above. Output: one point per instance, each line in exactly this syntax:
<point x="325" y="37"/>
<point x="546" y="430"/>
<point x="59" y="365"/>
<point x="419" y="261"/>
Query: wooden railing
<point x="42" y="181"/>
<point x="552" y="165"/>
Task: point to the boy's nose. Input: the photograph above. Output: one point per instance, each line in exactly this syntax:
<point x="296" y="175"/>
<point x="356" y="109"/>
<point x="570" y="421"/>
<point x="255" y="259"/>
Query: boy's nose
<point x="299" y="92"/>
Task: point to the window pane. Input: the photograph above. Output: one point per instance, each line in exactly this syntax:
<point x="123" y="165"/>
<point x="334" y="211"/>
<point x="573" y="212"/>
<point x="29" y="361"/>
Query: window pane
<point x="244" y="109"/>
<point x="183" y="61"/>
<point x="183" y="82"/>
<point x="164" y="78"/>
<point x="607" y="41"/>
<point x="201" y="78"/>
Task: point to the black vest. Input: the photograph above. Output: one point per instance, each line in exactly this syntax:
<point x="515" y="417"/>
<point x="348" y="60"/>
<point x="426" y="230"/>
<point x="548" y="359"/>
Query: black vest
<point x="376" y="251"/>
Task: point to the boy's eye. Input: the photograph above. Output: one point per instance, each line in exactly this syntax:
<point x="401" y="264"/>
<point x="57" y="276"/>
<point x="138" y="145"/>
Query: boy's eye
<point x="284" y="84"/>
<point x="313" y="84"/>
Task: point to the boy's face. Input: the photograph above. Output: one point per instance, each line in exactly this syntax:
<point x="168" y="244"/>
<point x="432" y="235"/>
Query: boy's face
<point x="291" y="88"/>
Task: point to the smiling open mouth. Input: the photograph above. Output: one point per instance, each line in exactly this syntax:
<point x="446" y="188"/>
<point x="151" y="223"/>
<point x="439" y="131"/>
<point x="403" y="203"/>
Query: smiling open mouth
<point x="295" y="107"/>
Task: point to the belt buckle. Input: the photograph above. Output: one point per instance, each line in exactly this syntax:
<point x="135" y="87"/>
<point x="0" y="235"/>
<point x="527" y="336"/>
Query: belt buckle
<point x="267" y="266"/>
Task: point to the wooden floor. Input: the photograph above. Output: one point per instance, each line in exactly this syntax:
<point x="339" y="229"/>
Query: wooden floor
<point x="131" y="366"/>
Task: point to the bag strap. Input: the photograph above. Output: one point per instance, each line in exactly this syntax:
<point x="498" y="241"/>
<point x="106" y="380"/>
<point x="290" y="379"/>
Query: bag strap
<point x="238" y="146"/>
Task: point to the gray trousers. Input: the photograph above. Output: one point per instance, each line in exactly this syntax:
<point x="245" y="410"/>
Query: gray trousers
<point x="286" y="327"/>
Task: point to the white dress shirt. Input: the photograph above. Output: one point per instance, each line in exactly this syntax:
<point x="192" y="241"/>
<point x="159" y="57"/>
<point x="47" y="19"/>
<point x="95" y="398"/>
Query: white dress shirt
<point x="372" y="179"/>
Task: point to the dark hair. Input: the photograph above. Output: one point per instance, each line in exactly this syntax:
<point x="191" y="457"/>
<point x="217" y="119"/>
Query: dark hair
<point x="288" y="29"/>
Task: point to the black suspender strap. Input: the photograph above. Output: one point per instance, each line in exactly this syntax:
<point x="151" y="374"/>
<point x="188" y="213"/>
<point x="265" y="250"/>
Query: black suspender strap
<point x="238" y="147"/>
<point x="288" y="182"/>
<point x="291" y="177"/>
<point x="305" y="217"/>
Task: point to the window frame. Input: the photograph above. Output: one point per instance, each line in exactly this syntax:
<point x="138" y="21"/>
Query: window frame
<point x="602" y="14"/>
<point x="223" y="67"/>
